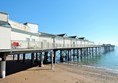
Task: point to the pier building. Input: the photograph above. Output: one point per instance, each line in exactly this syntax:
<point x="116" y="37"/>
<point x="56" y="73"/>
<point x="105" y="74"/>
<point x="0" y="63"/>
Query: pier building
<point x="22" y="38"/>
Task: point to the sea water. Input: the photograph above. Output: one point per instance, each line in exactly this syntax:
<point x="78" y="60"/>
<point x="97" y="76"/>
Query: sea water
<point x="107" y="60"/>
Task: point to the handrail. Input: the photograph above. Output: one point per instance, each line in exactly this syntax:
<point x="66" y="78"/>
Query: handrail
<point x="44" y="45"/>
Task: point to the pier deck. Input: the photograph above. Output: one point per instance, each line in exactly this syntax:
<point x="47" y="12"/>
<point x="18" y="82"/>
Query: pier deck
<point x="37" y="54"/>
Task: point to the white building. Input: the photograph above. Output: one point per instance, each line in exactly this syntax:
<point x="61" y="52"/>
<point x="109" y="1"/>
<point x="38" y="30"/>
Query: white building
<point x="15" y="35"/>
<point x="5" y="32"/>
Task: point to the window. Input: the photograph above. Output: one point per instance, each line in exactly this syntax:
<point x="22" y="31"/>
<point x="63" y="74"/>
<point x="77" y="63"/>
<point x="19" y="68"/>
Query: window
<point x="27" y="39"/>
<point x="33" y="40"/>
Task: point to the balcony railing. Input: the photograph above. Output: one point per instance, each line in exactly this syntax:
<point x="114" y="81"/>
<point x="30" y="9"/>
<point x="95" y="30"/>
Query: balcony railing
<point x="19" y="44"/>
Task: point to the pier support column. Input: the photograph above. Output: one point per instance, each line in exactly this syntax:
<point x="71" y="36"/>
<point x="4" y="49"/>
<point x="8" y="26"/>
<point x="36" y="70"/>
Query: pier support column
<point x="68" y="56"/>
<point x="81" y="53"/>
<point x="36" y="57"/>
<point x="61" y="56"/>
<point x="3" y="66"/>
<point x="13" y="56"/>
<point x="99" y="50"/>
<point x="18" y="57"/>
<point x="92" y="52"/>
<point x="46" y="57"/>
<point x="23" y="58"/>
<point x="73" y="54"/>
<point x="52" y="54"/>
<point x="3" y="69"/>
<point x="96" y="50"/>
<point x="41" y="60"/>
<point x="87" y="49"/>
<point x="84" y="51"/>
<point x="32" y="58"/>
<point x="77" y="55"/>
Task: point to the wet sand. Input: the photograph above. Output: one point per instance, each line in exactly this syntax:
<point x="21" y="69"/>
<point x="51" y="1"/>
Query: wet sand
<point x="63" y="73"/>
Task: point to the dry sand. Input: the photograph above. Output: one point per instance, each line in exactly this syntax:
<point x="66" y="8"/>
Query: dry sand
<point x="62" y="73"/>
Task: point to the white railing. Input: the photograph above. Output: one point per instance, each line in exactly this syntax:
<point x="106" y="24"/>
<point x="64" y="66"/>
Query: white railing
<point x="19" y="44"/>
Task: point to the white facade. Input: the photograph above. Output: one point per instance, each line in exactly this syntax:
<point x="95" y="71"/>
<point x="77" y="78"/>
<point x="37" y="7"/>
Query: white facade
<point x="59" y="41"/>
<point x="3" y="18"/>
<point x="47" y="42"/>
<point x="67" y="42"/>
<point x="26" y="35"/>
<point x="32" y="27"/>
<point x="19" y="26"/>
<point x="73" y="42"/>
<point x="5" y="38"/>
<point x="79" y="42"/>
<point x="19" y="36"/>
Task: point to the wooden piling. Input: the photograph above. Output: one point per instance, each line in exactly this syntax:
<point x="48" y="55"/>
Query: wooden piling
<point x="32" y="58"/>
<point x="3" y="65"/>
<point x="41" y="60"/>
<point x="54" y="56"/>
<point x="23" y="58"/>
<point x="68" y="55"/>
<point x="36" y="57"/>
<point x="73" y="54"/>
<point x="45" y="57"/>
<point x="80" y="52"/>
<point x="92" y="51"/>
<point x="77" y="55"/>
<point x="61" y="56"/>
<point x="18" y="57"/>
<point x="13" y="56"/>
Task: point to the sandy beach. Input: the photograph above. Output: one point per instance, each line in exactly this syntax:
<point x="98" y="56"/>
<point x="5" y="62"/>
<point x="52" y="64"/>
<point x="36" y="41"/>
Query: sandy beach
<point x="62" y="73"/>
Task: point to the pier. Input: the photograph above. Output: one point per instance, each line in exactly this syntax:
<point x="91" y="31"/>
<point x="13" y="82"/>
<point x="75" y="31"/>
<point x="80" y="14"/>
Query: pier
<point x="20" y="39"/>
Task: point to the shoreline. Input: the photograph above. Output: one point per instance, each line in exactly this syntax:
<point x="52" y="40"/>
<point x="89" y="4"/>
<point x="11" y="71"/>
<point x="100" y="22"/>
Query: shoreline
<point x="94" y="67"/>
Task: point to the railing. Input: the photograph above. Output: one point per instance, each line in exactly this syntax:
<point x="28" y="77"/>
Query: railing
<point x="19" y="44"/>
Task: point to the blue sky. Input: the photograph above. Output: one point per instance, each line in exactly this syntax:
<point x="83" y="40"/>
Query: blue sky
<point x="97" y="20"/>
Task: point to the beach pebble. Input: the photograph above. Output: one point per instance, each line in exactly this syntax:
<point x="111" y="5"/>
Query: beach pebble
<point x="26" y="78"/>
<point x="76" y="82"/>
